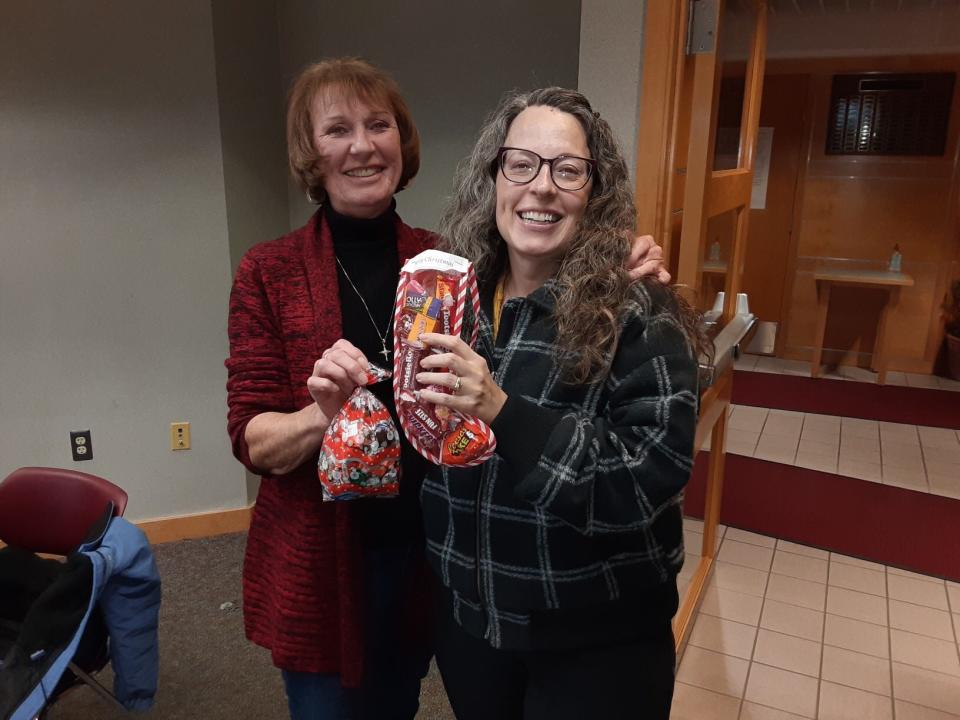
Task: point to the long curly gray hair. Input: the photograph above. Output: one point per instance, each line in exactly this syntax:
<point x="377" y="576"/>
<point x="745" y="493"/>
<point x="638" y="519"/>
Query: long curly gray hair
<point x="592" y="286"/>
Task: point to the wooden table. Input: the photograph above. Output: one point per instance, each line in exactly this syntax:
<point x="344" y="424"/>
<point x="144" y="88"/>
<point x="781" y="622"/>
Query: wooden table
<point x="891" y="282"/>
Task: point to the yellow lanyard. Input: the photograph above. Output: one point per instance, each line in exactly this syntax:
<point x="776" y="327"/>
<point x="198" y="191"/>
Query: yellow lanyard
<point x="497" y="306"/>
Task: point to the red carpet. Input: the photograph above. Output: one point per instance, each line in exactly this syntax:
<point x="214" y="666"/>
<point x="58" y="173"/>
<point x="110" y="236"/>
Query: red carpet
<point x="890" y="525"/>
<point x="914" y="406"/>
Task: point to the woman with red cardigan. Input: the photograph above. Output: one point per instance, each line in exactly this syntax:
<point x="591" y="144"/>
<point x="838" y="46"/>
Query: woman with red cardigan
<point x="334" y="589"/>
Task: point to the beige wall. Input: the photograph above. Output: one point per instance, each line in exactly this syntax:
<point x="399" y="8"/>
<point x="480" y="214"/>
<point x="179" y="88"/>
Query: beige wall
<point x="611" y="63"/>
<point x="251" y="106"/>
<point x="250" y="98"/>
<point x="116" y="264"/>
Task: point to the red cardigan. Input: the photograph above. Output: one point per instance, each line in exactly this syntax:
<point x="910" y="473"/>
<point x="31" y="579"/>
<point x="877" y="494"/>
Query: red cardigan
<point x="302" y="589"/>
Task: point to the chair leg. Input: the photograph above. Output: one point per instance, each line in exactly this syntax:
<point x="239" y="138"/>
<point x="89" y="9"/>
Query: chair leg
<point x="96" y="687"/>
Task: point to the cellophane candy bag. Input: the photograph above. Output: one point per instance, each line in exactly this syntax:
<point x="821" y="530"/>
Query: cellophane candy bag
<point x="360" y="454"/>
<point x="437" y="293"/>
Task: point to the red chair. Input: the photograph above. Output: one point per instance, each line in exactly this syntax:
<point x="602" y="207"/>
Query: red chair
<point x="53" y="511"/>
<point x="50" y="510"/>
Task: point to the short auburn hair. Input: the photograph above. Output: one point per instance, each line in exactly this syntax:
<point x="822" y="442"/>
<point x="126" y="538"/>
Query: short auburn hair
<point x="354" y="78"/>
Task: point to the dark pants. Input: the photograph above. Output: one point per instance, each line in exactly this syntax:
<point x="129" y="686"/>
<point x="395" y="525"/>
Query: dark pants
<point x="392" y="670"/>
<point x="631" y="681"/>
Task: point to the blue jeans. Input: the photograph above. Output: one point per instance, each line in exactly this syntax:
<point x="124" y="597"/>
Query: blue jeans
<point x="392" y="674"/>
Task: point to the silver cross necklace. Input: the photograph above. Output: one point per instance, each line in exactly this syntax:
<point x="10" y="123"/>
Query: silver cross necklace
<point x="383" y="336"/>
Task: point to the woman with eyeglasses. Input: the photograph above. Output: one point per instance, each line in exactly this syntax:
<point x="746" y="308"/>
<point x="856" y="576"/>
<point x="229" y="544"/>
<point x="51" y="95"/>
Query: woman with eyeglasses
<point x="336" y="591"/>
<point x="558" y="556"/>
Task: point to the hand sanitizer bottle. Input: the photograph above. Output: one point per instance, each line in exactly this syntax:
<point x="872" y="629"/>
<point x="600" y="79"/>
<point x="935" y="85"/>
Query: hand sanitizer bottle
<point x="715" y="251"/>
<point x="896" y="260"/>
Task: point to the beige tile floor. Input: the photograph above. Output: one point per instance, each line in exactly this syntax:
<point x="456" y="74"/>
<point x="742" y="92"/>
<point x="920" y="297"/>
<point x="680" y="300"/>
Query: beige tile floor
<point x="924" y="459"/>
<point x="788" y="631"/>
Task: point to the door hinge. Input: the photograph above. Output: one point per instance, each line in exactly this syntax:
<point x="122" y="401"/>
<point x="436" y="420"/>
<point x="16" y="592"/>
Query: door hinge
<point x="702" y="27"/>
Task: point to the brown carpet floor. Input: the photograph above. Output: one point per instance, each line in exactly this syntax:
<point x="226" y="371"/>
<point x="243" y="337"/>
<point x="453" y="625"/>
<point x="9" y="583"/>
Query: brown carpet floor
<point x="207" y="668"/>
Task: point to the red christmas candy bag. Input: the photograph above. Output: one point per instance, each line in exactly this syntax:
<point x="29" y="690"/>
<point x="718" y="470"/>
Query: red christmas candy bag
<point x="360" y="454"/>
<point x="437" y="293"/>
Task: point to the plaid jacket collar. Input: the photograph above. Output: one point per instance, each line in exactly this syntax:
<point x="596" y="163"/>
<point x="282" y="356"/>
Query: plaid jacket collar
<point x="544" y="299"/>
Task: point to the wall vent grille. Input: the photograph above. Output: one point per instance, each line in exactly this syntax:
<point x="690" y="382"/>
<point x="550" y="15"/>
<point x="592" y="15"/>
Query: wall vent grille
<point x="884" y="114"/>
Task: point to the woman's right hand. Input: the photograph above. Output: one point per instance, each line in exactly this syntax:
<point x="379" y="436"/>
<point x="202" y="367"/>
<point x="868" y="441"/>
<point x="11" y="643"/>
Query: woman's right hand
<point x="278" y="443"/>
<point x="340" y="369"/>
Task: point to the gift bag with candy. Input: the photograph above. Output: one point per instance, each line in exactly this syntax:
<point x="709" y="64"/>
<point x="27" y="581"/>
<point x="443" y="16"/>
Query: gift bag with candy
<point x="360" y="454"/>
<point x="437" y="293"/>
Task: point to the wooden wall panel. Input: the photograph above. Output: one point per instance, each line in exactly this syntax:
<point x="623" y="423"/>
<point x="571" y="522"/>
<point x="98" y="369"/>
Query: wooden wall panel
<point x="722" y="229"/>
<point x="858" y="207"/>
<point x="768" y="247"/>
<point x="680" y="164"/>
<point x="655" y="137"/>
<point x="862" y="217"/>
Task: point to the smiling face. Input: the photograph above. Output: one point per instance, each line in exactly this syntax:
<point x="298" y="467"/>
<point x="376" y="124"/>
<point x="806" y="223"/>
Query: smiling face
<point x="538" y="220"/>
<point x="359" y="154"/>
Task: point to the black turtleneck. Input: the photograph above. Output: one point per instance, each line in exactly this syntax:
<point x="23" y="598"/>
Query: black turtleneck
<point x="367" y="249"/>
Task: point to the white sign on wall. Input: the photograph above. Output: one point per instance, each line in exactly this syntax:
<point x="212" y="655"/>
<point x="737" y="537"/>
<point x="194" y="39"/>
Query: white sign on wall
<point x="761" y="168"/>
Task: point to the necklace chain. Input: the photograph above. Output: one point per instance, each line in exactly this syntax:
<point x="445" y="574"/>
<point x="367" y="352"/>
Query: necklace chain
<point x="383" y="337"/>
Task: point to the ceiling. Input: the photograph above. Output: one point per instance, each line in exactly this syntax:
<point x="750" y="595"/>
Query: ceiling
<point x="825" y="7"/>
<point x="839" y="7"/>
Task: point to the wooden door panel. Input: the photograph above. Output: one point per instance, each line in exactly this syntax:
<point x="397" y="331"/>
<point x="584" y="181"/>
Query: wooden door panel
<point x="768" y="241"/>
<point x="691" y="203"/>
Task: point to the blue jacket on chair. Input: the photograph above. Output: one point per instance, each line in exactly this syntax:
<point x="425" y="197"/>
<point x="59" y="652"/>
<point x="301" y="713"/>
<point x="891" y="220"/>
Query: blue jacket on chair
<point x="117" y="573"/>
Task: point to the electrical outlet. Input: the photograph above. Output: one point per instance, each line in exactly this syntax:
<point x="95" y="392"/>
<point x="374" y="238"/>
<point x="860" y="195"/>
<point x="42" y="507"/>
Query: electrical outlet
<point x="180" y="436"/>
<point x="81" y="445"/>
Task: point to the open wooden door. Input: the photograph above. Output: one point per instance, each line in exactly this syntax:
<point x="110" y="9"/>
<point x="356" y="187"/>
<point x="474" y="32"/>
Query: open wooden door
<point x="696" y="148"/>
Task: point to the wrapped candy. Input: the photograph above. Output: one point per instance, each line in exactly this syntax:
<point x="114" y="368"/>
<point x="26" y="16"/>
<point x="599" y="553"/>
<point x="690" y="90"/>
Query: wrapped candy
<point x="360" y="454"/>
<point x="437" y="293"/>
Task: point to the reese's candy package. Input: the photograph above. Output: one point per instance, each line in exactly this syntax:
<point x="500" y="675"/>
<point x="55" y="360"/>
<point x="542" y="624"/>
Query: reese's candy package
<point x="437" y="293"/>
<point x="360" y="454"/>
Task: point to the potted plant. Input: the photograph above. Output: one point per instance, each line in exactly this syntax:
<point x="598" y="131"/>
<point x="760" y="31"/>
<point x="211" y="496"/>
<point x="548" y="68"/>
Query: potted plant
<point x="951" y="314"/>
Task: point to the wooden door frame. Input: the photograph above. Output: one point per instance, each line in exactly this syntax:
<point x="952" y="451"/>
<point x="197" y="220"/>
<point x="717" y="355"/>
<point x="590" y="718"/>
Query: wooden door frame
<point x="661" y="88"/>
<point x="796" y="219"/>
<point x="706" y="193"/>
<point x="725" y="190"/>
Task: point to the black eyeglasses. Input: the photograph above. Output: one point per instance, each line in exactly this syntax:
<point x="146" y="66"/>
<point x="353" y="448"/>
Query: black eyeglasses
<point x="568" y="172"/>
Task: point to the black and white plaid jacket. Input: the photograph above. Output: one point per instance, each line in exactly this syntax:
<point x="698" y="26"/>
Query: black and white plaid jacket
<point x="581" y="505"/>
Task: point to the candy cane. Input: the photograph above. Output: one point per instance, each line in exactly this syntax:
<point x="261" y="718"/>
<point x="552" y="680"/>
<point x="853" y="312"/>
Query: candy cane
<point x="458" y="439"/>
